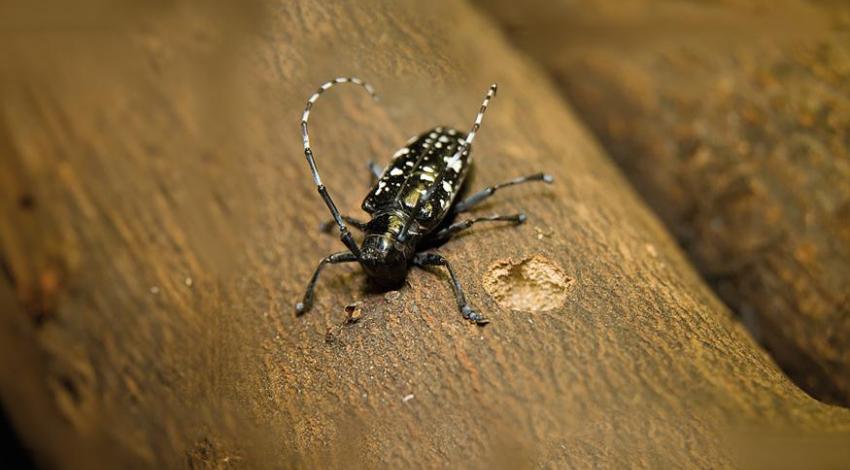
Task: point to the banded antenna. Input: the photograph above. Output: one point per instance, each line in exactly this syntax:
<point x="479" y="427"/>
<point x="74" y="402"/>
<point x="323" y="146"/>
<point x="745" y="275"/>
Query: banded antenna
<point x="344" y="234"/>
<point x="442" y="175"/>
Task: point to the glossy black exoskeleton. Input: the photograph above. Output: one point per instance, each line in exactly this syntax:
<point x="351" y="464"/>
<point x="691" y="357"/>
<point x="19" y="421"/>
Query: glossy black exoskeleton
<point x="412" y="205"/>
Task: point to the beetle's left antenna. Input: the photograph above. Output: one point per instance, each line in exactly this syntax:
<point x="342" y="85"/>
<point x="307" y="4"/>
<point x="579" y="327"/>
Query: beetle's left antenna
<point x="344" y="234"/>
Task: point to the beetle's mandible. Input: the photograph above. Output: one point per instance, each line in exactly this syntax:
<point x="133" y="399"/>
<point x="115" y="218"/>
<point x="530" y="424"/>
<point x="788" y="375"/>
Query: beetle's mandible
<point x="412" y="204"/>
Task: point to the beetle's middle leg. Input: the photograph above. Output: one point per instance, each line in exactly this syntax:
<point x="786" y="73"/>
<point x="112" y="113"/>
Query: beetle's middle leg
<point x="432" y="259"/>
<point x="476" y="198"/>
<point x="456" y="227"/>
<point x="336" y="258"/>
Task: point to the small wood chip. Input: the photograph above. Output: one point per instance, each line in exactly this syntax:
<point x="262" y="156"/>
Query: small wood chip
<point x="353" y="312"/>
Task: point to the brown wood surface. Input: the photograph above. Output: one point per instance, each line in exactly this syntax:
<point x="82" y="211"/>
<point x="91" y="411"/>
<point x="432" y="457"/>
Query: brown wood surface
<point x="732" y="121"/>
<point x="159" y="224"/>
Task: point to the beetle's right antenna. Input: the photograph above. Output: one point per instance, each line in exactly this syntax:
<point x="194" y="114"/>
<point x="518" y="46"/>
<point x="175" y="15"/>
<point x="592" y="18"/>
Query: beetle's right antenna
<point x="456" y="157"/>
<point x="344" y="234"/>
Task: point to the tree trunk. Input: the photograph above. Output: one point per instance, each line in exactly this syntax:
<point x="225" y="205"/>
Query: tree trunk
<point x="159" y="223"/>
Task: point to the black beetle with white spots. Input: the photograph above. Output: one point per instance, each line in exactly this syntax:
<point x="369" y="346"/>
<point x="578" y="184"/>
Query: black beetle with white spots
<point x="412" y="204"/>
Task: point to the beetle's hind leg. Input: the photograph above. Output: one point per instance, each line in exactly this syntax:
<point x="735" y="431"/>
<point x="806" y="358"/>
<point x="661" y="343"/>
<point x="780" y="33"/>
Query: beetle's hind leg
<point x="336" y="258"/>
<point x="432" y="259"/>
<point x="453" y="229"/>
<point x="485" y="193"/>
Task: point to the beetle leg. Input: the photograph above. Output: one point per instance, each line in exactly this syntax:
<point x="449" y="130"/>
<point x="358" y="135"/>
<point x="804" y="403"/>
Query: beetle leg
<point x="336" y="258"/>
<point x="456" y="227"/>
<point x="328" y="225"/>
<point x="432" y="259"/>
<point x="476" y="198"/>
<point x="374" y="170"/>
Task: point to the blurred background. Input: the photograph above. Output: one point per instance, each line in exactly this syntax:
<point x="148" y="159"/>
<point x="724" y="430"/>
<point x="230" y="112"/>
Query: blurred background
<point x="729" y="118"/>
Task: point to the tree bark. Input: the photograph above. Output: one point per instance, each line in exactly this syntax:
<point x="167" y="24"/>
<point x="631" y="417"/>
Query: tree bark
<point x="159" y="223"/>
<point x="730" y="122"/>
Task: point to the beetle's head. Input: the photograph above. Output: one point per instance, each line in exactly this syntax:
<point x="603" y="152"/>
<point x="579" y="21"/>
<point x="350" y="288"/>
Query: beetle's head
<point x="383" y="259"/>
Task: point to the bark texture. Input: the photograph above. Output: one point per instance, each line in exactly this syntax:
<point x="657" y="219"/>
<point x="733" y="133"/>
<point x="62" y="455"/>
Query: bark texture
<point x="731" y="121"/>
<point x="159" y="223"/>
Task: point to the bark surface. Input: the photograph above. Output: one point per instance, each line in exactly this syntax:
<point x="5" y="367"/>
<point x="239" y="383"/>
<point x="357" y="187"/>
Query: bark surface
<point x="731" y="121"/>
<point x="159" y="223"/>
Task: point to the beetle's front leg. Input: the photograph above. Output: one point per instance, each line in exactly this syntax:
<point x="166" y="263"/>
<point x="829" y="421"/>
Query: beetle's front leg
<point x="336" y="258"/>
<point x="432" y="259"/>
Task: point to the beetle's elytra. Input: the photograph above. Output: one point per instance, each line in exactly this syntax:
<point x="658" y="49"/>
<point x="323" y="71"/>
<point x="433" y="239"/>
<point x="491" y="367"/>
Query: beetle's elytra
<point x="412" y="204"/>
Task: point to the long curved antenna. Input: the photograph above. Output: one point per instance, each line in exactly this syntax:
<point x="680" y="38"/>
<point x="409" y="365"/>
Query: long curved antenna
<point x="344" y="234"/>
<point x="442" y="175"/>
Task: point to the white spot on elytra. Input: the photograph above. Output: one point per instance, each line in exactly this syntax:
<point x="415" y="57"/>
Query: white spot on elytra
<point x="409" y="163"/>
<point x="381" y="185"/>
<point x="438" y="145"/>
<point x="447" y="187"/>
<point x="401" y="152"/>
<point x="426" y="177"/>
<point x="396" y="171"/>
<point x="454" y="165"/>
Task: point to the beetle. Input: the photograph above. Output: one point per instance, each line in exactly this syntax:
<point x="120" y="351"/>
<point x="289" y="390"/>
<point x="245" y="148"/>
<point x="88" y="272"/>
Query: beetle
<point x="411" y="203"/>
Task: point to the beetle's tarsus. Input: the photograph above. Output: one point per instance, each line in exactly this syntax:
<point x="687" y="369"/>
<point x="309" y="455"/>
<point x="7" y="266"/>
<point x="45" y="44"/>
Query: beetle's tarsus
<point x="473" y="316"/>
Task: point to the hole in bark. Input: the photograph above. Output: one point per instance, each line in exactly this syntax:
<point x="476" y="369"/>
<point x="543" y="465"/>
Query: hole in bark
<point x="534" y="284"/>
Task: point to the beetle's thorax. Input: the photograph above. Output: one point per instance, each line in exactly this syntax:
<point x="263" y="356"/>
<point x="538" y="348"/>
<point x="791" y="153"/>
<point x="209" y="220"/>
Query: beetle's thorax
<point x="382" y="255"/>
